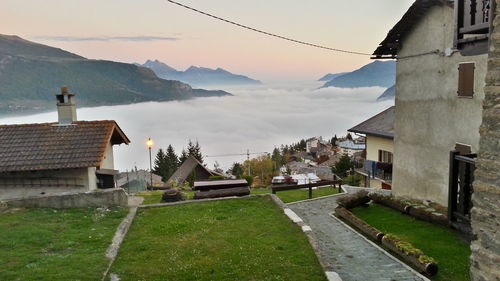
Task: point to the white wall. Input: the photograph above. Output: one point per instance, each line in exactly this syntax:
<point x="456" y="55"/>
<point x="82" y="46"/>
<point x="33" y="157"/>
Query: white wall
<point x="430" y="118"/>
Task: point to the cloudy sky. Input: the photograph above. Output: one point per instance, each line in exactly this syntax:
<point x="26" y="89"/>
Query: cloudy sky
<point x="133" y="31"/>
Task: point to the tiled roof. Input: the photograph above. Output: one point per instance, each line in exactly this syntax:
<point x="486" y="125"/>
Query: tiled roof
<point x="381" y="125"/>
<point x="47" y="146"/>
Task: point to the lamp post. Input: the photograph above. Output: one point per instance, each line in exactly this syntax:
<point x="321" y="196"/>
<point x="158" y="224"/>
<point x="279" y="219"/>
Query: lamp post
<point x="149" y="143"/>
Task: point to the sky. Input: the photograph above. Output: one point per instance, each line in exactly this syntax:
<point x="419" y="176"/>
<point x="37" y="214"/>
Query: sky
<point x="134" y="31"/>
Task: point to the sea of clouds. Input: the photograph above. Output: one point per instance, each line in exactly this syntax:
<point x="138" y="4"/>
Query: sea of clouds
<point x="256" y="118"/>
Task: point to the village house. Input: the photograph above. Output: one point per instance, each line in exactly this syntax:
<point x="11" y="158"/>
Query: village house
<point x="441" y="50"/>
<point x="67" y="156"/>
<point x="317" y="147"/>
<point x="379" y="131"/>
<point x="138" y="180"/>
<point x="350" y="147"/>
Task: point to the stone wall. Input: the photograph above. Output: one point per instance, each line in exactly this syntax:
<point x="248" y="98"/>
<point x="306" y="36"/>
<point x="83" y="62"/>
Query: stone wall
<point x="485" y="259"/>
<point x="101" y="198"/>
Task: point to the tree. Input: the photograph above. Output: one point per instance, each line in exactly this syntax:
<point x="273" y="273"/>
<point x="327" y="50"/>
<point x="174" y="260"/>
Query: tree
<point x="160" y="166"/>
<point x="184" y="156"/>
<point x="171" y="161"/>
<point x="217" y="168"/>
<point x="261" y="167"/>
<point x="334" y="140"/>
<point x="342" y="166"/>
<point x="277" y="159"/>
<point x="237" y="170"/>
<point x="349" y="136"/>
<point x="194" y="150"/>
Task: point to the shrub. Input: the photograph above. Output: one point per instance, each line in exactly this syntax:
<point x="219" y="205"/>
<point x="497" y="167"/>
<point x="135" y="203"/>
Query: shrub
<point x="354" y="180"/>
<point x="216" y="178"/>
<point x="249" y="179"/>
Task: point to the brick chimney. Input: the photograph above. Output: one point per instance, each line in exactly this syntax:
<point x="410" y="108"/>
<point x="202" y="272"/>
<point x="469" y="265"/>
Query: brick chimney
<point x="66" y="106"/>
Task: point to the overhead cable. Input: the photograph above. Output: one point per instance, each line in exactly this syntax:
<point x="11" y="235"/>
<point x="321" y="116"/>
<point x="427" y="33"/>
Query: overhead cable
<point x="268" y="33"/>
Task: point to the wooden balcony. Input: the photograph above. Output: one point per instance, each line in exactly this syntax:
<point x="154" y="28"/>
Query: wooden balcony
<point x="473" y="26"/>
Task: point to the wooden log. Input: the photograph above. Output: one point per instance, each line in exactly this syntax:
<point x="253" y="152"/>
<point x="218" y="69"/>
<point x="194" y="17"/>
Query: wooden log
<point x="427" y="216"/>
<point x="359" y="224"/>
<point x="353" y="200"/>
<point x="388" y="202"/>
<point x="172" y="195"/>
<point x="237" y="191"/>
<point x="429" y="268"/>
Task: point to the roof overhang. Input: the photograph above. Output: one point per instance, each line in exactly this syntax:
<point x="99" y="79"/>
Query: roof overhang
<point x="392" y="43"/>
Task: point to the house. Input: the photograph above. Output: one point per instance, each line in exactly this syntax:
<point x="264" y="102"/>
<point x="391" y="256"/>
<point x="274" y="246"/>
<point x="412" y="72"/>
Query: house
<point x="349" y="147"/>
<point x="379" y="132"/>
<point x="67" y="156"/>
<point x="316" y="146"/>
<point x="139" y="180"/>
<point x="441" y="68"/>
<point x="190" y="171"/>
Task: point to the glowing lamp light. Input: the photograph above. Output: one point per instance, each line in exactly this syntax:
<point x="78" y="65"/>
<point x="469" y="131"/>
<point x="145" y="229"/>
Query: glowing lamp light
<point x="149" y="143"/>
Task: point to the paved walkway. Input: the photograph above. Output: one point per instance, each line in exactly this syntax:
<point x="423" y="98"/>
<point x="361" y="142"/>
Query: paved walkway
<point x="345" y="252"/>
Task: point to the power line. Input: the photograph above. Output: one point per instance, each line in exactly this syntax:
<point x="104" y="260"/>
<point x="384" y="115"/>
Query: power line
<point x="268" y="33"/>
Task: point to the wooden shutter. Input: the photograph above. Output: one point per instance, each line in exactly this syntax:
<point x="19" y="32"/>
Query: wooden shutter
<point x="466" y="79"/>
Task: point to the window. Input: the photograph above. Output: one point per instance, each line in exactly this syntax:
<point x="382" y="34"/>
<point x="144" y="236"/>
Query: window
<point x="384" y="156"/>
<point x="466" y="79"/>
<point x="472" y="26"/>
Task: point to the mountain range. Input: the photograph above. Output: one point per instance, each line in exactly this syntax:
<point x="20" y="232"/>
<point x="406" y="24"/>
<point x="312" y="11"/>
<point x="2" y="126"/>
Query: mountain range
<point x="199" y="76"/>
<point x="377" y="73"/>
<point x="330" y="76"/>
<point x="31" y="73"/>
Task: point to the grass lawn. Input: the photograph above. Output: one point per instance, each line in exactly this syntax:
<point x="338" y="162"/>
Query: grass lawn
<point x="246" y="239"/>
<point x="451" y="254"/>
<point x="47" y="244"/>
<point x="286" y="196"/>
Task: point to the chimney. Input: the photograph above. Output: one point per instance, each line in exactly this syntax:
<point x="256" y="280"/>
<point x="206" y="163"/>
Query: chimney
<point x="66" y="107"/>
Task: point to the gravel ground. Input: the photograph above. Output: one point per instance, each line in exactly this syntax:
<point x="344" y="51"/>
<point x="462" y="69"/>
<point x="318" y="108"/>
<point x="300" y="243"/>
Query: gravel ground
<point x="343" y="251"/>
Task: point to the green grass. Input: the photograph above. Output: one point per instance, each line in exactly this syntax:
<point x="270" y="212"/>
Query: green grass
<point x="451" y="254"/>
<point x="47" y="244"/>
<point x="286" y="196"/>
<point x="246" y="239"/>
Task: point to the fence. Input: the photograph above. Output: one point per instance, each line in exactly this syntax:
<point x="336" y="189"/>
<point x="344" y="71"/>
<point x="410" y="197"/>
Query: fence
<point x="309" y="186"/>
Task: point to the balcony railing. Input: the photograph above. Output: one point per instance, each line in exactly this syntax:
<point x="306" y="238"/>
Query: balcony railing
<point x="380" y="170"/>
<point x="473" y="25"/>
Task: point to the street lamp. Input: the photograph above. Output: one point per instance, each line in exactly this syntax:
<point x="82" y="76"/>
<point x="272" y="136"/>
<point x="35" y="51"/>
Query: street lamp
<point x="149" y="143"/>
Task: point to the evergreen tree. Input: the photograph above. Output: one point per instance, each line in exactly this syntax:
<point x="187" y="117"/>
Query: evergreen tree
<point x="160" y="166"/>
<point x="277" y="159"/>
<point x="194" y="150"/>
<point x="342" y="167"/>
<point x="172" y="161"/>
<point x="184" y="156"/>
<point x="334" y="140"/>
<point x="217" y="168"/>
<point x="237" y="170"/>
<point x="349" y="136"/>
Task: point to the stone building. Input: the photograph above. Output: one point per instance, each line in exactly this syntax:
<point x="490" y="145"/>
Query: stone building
<point x="439" y="94"/>
<point x="486" y="199"/>
<point x="67" y="156"/>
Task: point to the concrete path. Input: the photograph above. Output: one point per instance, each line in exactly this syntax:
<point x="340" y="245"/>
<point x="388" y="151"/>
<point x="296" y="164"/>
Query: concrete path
<point x="344" y="251"/>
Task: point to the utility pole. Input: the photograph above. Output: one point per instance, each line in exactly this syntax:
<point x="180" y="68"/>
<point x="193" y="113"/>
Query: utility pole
<point x="248" y="161"/>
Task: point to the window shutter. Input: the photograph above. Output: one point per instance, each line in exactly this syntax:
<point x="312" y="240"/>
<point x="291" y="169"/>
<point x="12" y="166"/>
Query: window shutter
<point x="466" y="79"/>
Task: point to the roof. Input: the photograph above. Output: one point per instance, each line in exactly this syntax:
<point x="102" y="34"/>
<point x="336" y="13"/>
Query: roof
<point x="349" y="144"/>
<point x="381" y="125"/>
<point x="186" y="169"/>
<point x="48" y="146"/>
<point x="392" y="43"/>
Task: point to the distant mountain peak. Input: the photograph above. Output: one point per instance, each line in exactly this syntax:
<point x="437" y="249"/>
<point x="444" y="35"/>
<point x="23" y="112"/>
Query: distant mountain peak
<point x="201" y="76"/>
<point x="377" y="73"/>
